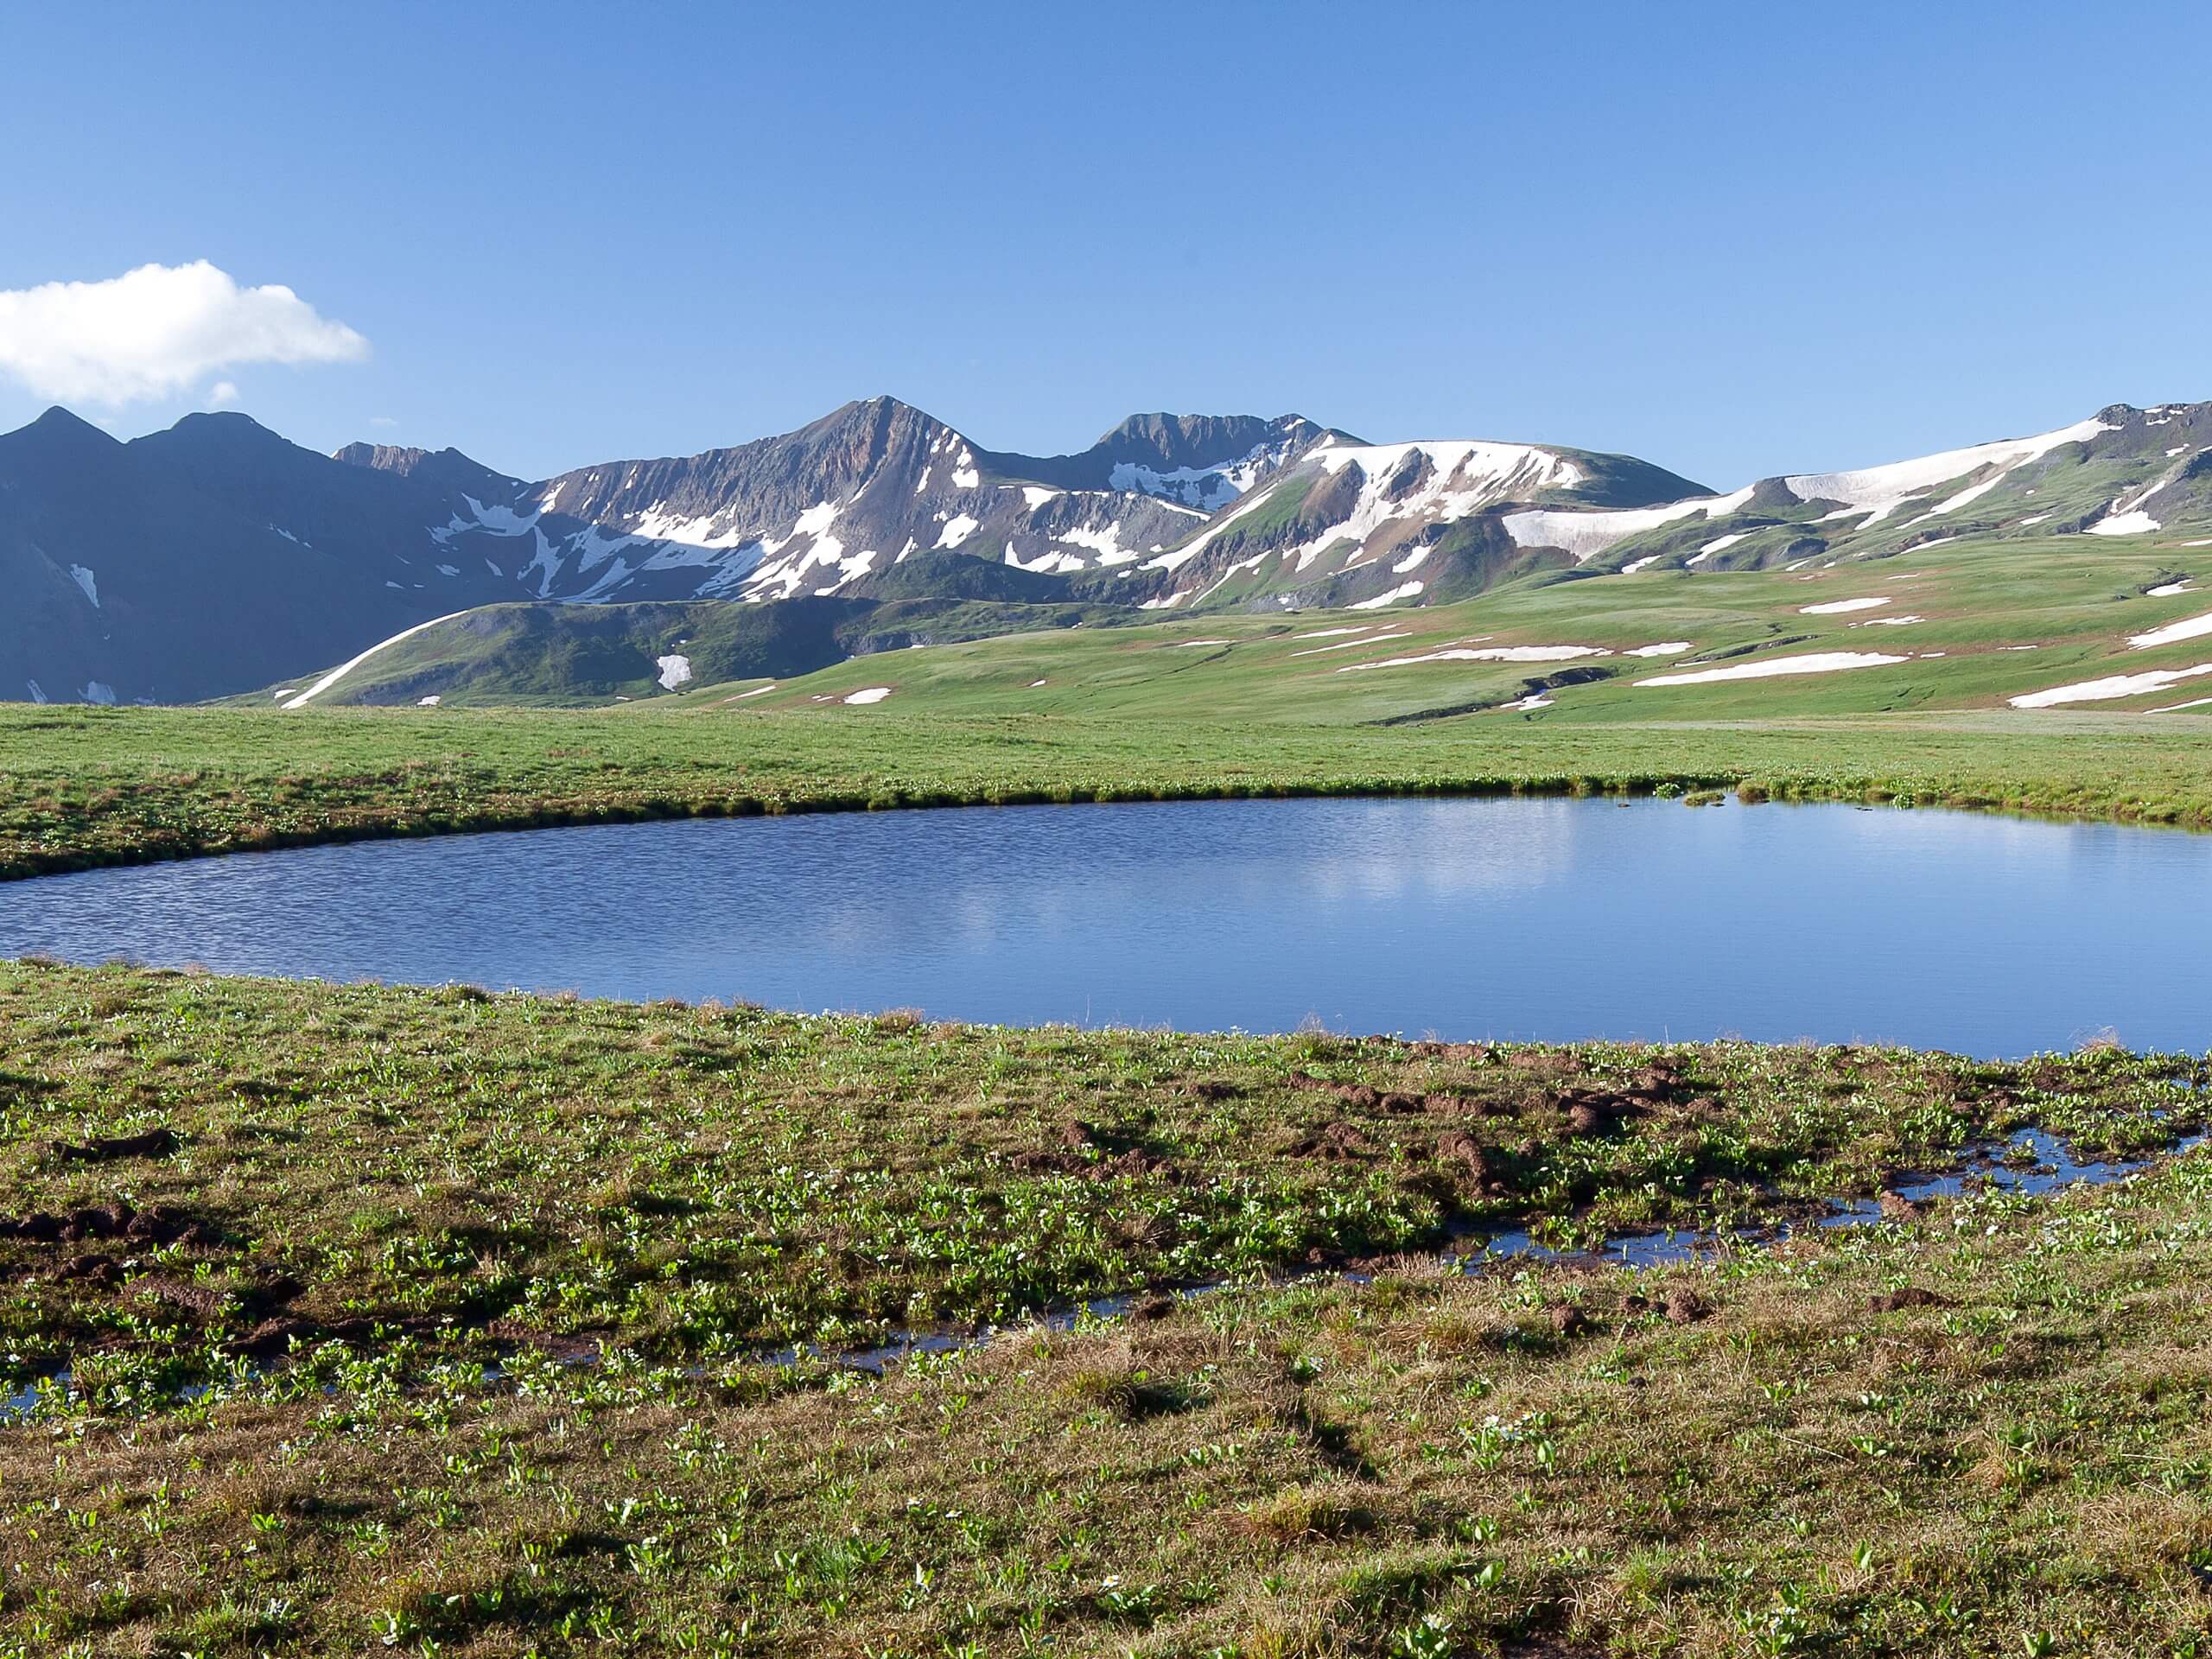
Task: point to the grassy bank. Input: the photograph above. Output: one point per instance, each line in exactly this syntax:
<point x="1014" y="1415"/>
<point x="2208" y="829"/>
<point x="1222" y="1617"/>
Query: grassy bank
<point x="695" y="1182"/>
<point x="85" y="786"/>
<point x="381" y="1190"/>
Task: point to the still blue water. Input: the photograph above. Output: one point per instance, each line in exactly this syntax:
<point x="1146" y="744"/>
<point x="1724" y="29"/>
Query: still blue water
<point x="1466" y="919"/>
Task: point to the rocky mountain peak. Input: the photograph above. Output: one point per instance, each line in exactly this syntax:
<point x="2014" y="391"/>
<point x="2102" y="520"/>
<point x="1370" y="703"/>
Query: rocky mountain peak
<point x="381" y="457"/>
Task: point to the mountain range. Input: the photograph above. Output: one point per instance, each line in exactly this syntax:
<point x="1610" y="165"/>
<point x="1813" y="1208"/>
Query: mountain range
<point x="216" y="558"/>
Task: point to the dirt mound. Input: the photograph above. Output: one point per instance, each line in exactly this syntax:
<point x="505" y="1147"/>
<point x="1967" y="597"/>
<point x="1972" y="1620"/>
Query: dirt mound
<point x="153" y="1143"/>
<point x="156" y="1225"/>
<point x="1335" y="1139"/>
<point x="1084" y="1149"/>
<point x="1909" y="1296"/>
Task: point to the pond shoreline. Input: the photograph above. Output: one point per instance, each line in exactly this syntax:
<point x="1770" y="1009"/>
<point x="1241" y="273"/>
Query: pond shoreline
<point x="1693" y="787"/>
<point x="1496" y="918"/>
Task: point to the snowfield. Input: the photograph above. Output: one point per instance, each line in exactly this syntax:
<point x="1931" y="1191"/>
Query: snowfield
<point x="2194" y="627"/>
<point x="353" y="663"/>
<point x="1589" y="532"/>
<point x="1458" y="478"/>
<point x="1486" y="654"/>
<point x="1879" y="490"/>
<point x="1870" y="495"/>
<point x="2115" y="686"/>
<point x="1824" y="662"/>
<point x="1406" y="590"/>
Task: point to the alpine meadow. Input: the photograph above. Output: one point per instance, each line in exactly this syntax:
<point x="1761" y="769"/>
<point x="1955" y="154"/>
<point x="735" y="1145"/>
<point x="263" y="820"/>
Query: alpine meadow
<point x="1257" y="1037"/>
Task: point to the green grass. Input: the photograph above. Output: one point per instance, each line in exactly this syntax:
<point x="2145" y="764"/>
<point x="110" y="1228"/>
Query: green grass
<point x="409" y="1183"/>
<point x="2076" y="605"/>
<point x="693" y="1181"/>
<point x="1220" y="705"/>
<point x="83" y="786"/>
<point x="395" y="1188"/>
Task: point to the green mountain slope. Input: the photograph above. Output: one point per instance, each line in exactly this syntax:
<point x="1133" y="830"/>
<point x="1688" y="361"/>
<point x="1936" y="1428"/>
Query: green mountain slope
<point x="2060" y="622"/>
<point x="587" y="654"/>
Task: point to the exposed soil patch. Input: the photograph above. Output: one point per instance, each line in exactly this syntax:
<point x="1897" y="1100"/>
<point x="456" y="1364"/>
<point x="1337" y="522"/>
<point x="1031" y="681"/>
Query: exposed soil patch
<point x="1479" y="1054"/>
<point x="1211" y="1088"/>
<point x="1464" y="1156"/>
<point x="1336" y="1140"/>
<point x="1683" y="1306"/>
<point x="1909" y="1296"/>
<point x="156" y="1225"/>
<point x="1085" y="1149"/>
<point x="153" y="1143"/>
<point x="1367" y="1098"/>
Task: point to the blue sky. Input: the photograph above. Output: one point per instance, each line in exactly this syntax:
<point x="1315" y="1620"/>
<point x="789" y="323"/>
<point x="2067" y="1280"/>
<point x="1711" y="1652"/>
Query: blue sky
<point x="1735" y="240"/>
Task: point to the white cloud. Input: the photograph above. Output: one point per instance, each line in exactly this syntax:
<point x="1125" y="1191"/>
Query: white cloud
<point x="222" y="394"/>
<point x="156" y="330"/>
<point x="382" y="420"/>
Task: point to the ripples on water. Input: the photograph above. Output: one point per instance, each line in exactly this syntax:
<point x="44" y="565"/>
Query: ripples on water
<point x="1543" y="919"/>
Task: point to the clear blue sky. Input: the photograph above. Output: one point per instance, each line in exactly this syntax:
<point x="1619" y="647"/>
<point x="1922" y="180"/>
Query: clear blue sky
<point x="1733" y="239"/>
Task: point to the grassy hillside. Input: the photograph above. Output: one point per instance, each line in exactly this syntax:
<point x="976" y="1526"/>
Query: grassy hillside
<point x="507" y="656"/>
<point x="1987" y="624"/>
<point x="1967" y="623"/>
<point x="1766" y="1452"/>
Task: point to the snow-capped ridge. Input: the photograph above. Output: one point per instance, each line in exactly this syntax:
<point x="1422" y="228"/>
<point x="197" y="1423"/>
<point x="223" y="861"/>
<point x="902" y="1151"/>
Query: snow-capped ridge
<point x="1881" y="490"/>
<point x="1863" y="500"/>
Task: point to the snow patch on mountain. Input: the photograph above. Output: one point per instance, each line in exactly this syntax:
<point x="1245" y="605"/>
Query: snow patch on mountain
<point x="1049" y="561"/>
<point x="2127" y="518"/>
<point x="2110" y="687"/>
<point x="1586" y="533"/>
<point x="657" y="523"/>
<point x="86" y="580"/>
<point x="1879" y="490"/>
<point x="1486" y="654"/>
<point x="1105" y="543"/>
<point x="1212" y="486"/>
<point x="2195" y="627"/>
<point x="1822" y="662"/>
<point x="2134" y="523"/>
<point x="1175" y="558"/>
<point x="1430" y="481"/>
<point x="499" y="519"/>
<point x="353" y="663"/>
<point x="1406" y="590"/>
